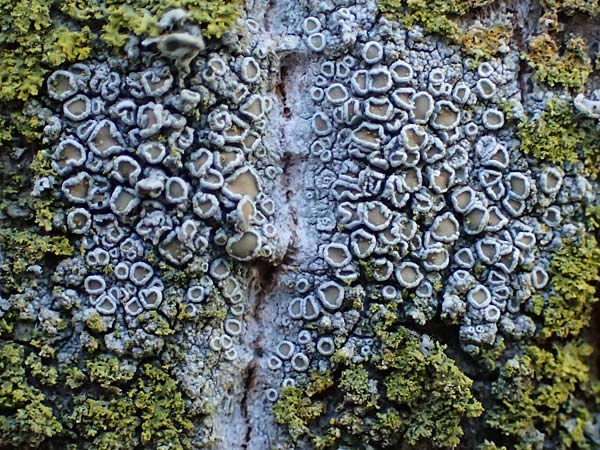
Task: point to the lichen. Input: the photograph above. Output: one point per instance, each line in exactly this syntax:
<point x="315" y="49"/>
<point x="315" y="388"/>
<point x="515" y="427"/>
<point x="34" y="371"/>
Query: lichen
<point x="575" y="272"/>
<point x="544" y="394"/>
<point x="404" y="397"/>
<point x="151" y="412"/>
<point x="439" y="17"/>
<point x="571" y="7"/>
<point x="32" y="248"/>
<point x="569" y="68"/>
<point x="31" y="41"/>
<point x="27" y="419"/>
<point x="36" y="36"/>
<point x="536" y="393"/>
<point x="559" y="136"/>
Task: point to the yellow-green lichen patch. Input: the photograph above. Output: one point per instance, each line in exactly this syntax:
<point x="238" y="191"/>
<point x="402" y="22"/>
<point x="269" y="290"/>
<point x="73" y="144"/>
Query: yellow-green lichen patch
<point x="440" y="17"/>
<point x="484" y="43"/>
<point x="569" y="68"/>
<point x="31" y="42"/>
<point x="150" y="413"/>
<point x="27" y="419"/>
<point x="141" y="17"/>
<point x="25" y="248"/>
<point x="107" y="403"/>
<point x="536" y="393"/>
<point x="558" y="136"/>
<point x="405" y="397"/>
<point x="570" y="7"/>
<point x="575" y="271"/>
<point x="38" y="35"/>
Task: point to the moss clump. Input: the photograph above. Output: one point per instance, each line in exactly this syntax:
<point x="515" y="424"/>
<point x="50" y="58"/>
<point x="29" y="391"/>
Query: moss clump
<point x="575" y="270"/>
<point x="151" y="414"/>
<point x="570" y="7"/>
<point x="439" y="16"/>
<point x="141" y="17"/>
<point x="31" y="248"/>
<point x="558" y="136"/>
<point x="403" y="398"/>
<point x="569" y="68"/>
<point x="31" y="42"/>
<point x="27" y="419"/>
<point x="536" y="392"/>
<point x="39" y="35"/>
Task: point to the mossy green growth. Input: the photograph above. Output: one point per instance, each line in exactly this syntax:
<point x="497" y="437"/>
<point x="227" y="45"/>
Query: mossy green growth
<point x="537" y="392"/>
<point x="37" y="36"/>
<point x="23" y="248"/>
<point x="438" y="16"/>
<point x="558" y="136"/>
<point x="110" y="372"/>
<point x="141" y="17"/>
<point x="27" y="418"/>
<point x="570" y="7"/>
<point x="489" y="445"/>
<point x="569" y="68"/>
<point x="574" y="274"/>
<point x="32" y="42"/>
<point x="150" y="413"/>
<point x="403" y="398"/>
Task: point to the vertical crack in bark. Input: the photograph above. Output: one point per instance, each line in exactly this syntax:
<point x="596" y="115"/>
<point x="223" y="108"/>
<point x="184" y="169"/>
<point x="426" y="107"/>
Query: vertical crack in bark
<point x="266" y="273"/>
<point x="249" y="382"/>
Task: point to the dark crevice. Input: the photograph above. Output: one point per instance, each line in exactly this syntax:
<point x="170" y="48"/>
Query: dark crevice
<point x="249" y="383"/>
<point x="269" y="15"/>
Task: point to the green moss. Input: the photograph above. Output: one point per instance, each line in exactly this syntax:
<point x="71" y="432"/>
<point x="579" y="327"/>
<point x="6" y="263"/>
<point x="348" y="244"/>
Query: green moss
<point x="30" y="43"/>
<point x="402" y="399"/>
<point x="150" y="413"/>
<point x="110" y="372"/>
<point x="570" y="7"/>
<point x="558" y="136"/>
<point x="569" y="68"/>
<point x="27" y="420"/>
<point x="575" y="271"/>
<point x="31" y="248"/>
<point x="38" y="35"/>
<point x="535" y="394"/>
<point x="438" y="16"/>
